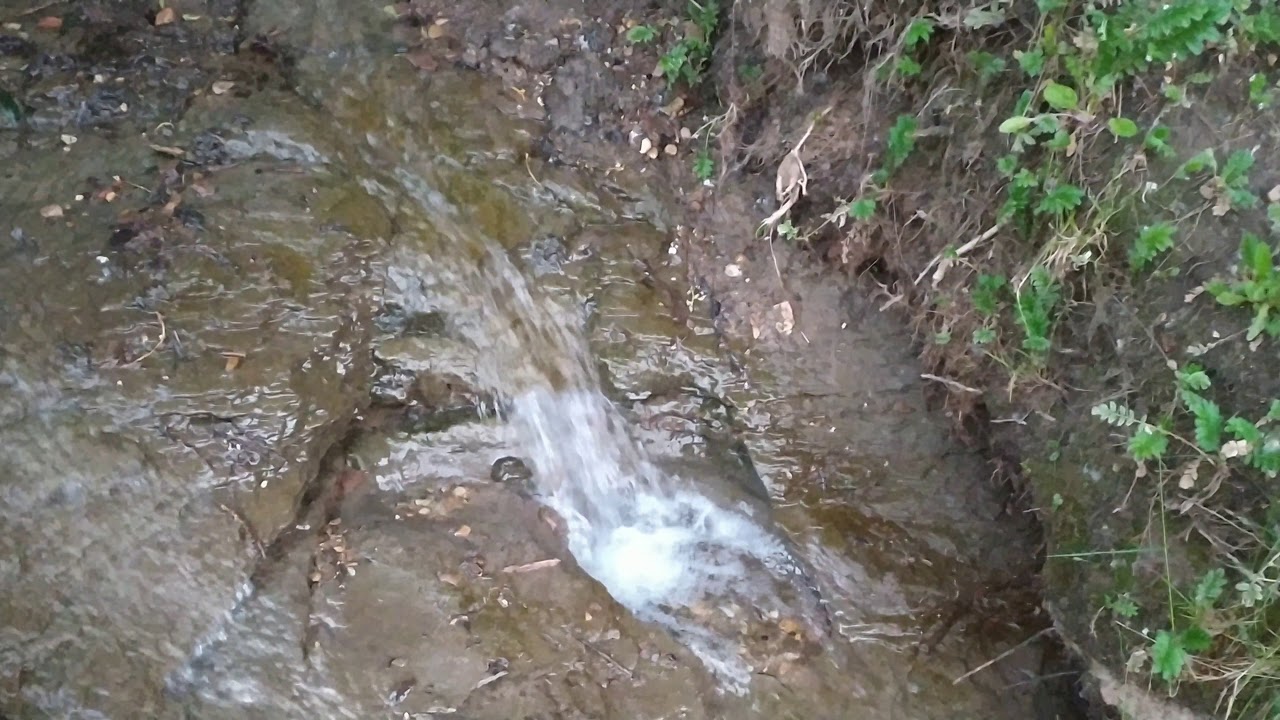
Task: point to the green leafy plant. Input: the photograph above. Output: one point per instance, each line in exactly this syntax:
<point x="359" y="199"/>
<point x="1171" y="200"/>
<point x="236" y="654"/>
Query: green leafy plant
<point x="861" y="209"/>
<point x="1151" y="241"/>
<point x="1157" y="141"/>
<point x="1171" y="649"/>
<point x="704" y="167"/>
<point x="986" y="65"/>
<point x="1122" y="606"/>
<point x="1234" y="179"/>
<point x="1134" y="36"/>
<point x="686" y="59"/>
<point x="1257" y="287"/>
<point x="985" y="294"/>
<point x="1261" y="93"/>
<point x="1035" y="305"/>
<point x="1257" y="443"/>
<point x="641" y="35"/>
<point x="899" y="144"/>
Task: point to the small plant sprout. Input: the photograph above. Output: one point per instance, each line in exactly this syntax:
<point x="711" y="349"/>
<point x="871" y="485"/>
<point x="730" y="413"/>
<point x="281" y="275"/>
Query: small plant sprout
<point x="641" y="35"/>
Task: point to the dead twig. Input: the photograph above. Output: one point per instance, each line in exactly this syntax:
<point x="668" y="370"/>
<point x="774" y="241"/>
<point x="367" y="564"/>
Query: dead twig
<point x="792" y="180"/>
<point x="944" y="263"/>
<point x="1001" y="656"/>
<point x="492" y="678"/>
<point x="530" y="567"/>
<point x="530" y="170"/>
<point x="952" y="384"/>
<point x="262" y="552"/>
<point x="163" y="334"/>
<point x="609" y="658"/>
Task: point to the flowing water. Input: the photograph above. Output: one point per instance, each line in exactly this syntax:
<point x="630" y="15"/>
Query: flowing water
<point x="776" y="540"/>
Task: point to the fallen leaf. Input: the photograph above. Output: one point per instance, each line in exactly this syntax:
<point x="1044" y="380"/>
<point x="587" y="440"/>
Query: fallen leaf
<point x="788" y="321"/>
<point x="233" y="360"/>
<point x="1273" y="194"/>
<point x="1235" y="448"/>
<point x="49" y="22"/>
<point x="450" y="579"/>
<point x="435" y="32"/>
<point x="169" y="150"/>
<point x="51" y="211"/>
<point x="789" y="626"/>
<point x="221" y="87"/>
<point x="172" y="205"/>
<point x="422" y="60"/>
<point x="166" y="16"/>
<point x="463" y="531"/>
<point x="69" y="139"/>
<point x="1189" y="476"/>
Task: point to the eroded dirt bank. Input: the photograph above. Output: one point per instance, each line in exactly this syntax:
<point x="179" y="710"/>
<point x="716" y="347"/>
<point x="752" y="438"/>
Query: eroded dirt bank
<point x="248" y="471"/>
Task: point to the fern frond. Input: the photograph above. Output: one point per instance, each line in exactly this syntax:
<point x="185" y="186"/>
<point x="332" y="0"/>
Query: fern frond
<point x="1114" y="413"/>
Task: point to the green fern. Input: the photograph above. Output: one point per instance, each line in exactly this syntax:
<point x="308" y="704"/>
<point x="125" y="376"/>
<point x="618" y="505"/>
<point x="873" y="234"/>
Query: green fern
<point x="985" y="294"/>
<point x="1208" y="421"/>
<point x="1193" y="378"/>
<point x="1035" y="304"/>
<point x="1113" y="413"/>
<point x="1149" y="443"/>
<point x="1136" y="35"/>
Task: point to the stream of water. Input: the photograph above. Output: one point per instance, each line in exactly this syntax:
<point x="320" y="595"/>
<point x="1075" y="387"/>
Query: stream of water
<point x="650" y="537"/>
<point x="175" y="388"/>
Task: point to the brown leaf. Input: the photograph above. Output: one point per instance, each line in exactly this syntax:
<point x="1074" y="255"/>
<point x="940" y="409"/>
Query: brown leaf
<point x="463" y="531"/>
<point x="233" y="360"/>
<point x="49" y="22"/>
<point x="166" y="16"/>
<point x="51" y="211"/>
<point x="422" y="60"/>
<point x="790" y="627"/>
<point x="434" y="32"/>
<point x="172" y="205"/>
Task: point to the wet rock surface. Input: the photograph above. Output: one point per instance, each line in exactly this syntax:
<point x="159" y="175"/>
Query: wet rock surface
<point x="254" y="468"/>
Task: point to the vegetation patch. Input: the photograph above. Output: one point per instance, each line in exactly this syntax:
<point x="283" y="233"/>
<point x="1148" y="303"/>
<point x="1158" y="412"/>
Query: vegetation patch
<point x="1078" y="200"/>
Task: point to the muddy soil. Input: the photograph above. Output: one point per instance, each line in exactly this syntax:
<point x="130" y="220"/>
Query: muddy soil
<point x="249" y="440"/>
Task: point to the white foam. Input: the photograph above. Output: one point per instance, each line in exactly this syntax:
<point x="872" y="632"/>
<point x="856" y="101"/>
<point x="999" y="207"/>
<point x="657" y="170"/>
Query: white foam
<point x="678" y="549"/>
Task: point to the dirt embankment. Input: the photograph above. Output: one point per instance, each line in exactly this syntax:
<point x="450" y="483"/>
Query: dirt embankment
<point x="1074" y="205"/>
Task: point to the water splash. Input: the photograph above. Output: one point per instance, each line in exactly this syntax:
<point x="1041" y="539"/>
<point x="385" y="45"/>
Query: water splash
<point x="662" y="549"/>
